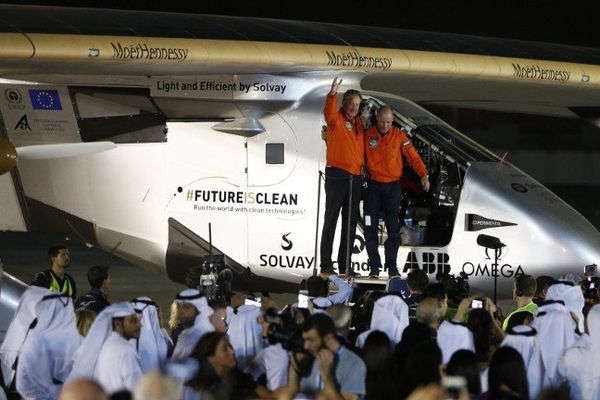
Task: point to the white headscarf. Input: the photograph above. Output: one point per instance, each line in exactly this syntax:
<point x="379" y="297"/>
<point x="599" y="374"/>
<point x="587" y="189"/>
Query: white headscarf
<point x="453" y="336"/>
<point x="18" y="328"/>
<point x="245" y="334"/>
<point x="85" y="359"/>
<point x="152" y="345"/>
<point x="55" y="336"/>
<point x="193" y="296"/>
<point x="390" y="315"/>
<point x="573" y="298"/>
<point x="556" y="333"/>
<point x="523" y="338"/>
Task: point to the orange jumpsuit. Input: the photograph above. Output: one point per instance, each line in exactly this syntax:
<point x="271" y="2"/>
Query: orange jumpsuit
<point x="385" y="160"/>
<point x="343" y="182"/>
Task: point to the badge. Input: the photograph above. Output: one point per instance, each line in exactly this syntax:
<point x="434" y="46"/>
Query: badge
<point x="348" y="125"/>
<point x="373" y="142"/>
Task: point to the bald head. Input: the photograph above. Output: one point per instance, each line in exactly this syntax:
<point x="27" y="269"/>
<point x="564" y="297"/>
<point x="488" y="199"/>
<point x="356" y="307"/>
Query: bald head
<point x="157" y="386"/>
<point x="429" y="312"/>
<point x="385" y="118"/>
<point x="83" y="389"/>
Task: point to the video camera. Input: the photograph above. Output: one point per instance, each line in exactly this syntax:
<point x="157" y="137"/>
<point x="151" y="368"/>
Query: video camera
<point x="284" y="329"/>
<point x="457" y="286"/>
<point x="215" y="279"/>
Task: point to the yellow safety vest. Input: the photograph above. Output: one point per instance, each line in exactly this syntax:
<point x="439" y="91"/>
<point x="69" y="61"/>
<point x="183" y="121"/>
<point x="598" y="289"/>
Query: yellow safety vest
<point x="55" y="286"/>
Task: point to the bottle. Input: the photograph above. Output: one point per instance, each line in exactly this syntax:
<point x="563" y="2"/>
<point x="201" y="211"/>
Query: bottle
<point x="407" y="218"/>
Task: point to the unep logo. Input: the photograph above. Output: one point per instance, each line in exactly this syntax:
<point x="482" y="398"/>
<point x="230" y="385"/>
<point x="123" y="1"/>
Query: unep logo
<point x="13" y="96"/>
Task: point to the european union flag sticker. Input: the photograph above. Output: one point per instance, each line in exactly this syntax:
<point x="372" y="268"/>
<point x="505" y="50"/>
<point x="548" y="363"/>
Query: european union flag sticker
<point x="42" y="99"/>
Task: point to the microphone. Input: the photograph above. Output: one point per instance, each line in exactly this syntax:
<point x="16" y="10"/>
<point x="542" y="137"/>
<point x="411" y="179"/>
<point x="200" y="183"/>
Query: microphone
<point x="490" y="242"/>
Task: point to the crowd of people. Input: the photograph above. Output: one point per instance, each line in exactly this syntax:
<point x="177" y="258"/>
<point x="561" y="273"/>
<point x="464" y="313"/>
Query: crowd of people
<point x="434" y="340"/>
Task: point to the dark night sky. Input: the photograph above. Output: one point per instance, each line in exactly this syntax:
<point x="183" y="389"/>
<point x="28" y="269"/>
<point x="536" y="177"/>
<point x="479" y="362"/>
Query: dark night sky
<point x="567" y="22"/>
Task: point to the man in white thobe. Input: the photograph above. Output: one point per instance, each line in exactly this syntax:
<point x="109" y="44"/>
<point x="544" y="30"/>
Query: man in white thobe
<point x="17" y="331"/>
<point x="153" y="344"/>
<point x="580" y="365"/>
<point x="390" y="315"/>
<point x="46" y="357"/>
<point x="451" y="335"/>
<point x="245" y="333"/>
<point x="523" y="338"/>
<point x="106" y="354"/>
<point x="556" y="333"/>
<point x="189" y="337"/>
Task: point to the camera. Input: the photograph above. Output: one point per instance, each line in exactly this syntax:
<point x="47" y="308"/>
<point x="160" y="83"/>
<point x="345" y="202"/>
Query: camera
<point x="590" y="270"/>
<point x="590" y="287"/>
<point x="253" y="301"/>
<point x="303" y="299"/>
<point x="208" y="281"/>
<point x="457" y="286"/>
<point x="455" y="386"/>
<point x="213" y="278"/>
<point x="477" y="303"/>
<point x="283" y="329"/>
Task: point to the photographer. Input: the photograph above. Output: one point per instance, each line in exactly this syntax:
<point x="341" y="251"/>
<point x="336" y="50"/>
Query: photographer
<point x="336" y="373"/>
<point x="457" y="288"/>
<point x="591" y="290"/>
<point x="318" y="291"/>
<point x="281" y="330"/>
<point x="417" y="280"/>
<point x="487" y="333"/>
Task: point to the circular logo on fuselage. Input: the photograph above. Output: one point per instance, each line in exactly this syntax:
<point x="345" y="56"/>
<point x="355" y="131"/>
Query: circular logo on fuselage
<point x="13" y="96"/>
<point x="519" y="188"/>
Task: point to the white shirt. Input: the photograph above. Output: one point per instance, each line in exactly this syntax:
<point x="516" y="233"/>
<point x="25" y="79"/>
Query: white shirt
<point x="118" y="367"/>
<point x="345" y="290"/>
<point x="272" y="361"/>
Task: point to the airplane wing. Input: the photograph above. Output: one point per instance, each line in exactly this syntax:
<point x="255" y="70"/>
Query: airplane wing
<point x="77" y="46"/>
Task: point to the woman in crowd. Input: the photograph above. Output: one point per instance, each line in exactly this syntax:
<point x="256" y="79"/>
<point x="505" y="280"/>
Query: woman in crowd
<point x="218" y="375"/>
<point x="377" y="354"/>
<point x="507" y="379"/>
<point x="464" y="363"/>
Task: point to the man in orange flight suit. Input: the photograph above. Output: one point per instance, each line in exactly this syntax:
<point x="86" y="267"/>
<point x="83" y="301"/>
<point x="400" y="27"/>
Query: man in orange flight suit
<point x="386" y="147"/>
<point x="343" y="180"/>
